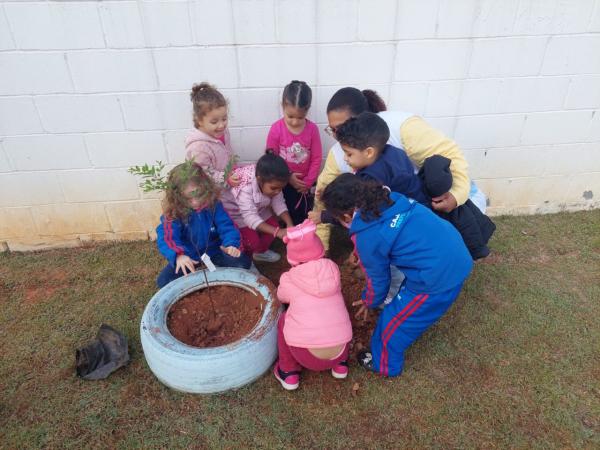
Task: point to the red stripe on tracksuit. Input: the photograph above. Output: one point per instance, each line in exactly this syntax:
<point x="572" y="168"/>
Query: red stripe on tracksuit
<point x="390" y="324"/>
<point x="169" y="237"/>
<point x="369" y="294"/>
<point x="397" y="320"/>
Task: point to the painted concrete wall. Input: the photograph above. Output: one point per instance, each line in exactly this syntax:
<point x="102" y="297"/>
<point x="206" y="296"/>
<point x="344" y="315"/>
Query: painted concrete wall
<point x="88" y="89"/>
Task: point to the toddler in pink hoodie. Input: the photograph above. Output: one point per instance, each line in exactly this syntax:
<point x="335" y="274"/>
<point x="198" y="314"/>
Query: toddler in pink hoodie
<point x="315" y="331"/>
<point x="209" y="144"/>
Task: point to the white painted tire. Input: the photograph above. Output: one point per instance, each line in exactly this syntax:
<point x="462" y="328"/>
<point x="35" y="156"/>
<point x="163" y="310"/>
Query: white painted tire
<point x="216" y="369"/>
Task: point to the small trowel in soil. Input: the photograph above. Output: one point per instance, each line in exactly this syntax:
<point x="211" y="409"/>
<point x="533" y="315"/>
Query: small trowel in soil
<point x="102" y="356"/>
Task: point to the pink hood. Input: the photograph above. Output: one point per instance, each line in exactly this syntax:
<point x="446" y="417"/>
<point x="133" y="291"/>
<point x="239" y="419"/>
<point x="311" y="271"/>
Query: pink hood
<point x="209" y="153"/>
<point x="319" y="278"/>
<point x="317" y="316"/>
<point x="196" y="135"/>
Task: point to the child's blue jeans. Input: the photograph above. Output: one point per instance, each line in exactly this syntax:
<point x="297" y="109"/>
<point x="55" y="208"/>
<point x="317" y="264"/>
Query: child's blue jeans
<point x="219" y="259"/>
<point x="401" y="323"/>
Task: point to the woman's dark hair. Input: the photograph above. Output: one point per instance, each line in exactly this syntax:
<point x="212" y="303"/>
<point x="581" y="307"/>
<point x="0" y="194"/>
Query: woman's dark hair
<point x="271" y="167"/>
<point x="356" y="101"/>
<point x="348" y="191"/>
<point x="297" y="94"/>
<point x="365" y="130"/>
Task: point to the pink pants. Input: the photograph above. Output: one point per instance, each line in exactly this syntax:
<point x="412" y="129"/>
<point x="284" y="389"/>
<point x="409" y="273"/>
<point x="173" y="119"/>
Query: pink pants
<point x="254" y="241"/>
<point x="293" y="359"/>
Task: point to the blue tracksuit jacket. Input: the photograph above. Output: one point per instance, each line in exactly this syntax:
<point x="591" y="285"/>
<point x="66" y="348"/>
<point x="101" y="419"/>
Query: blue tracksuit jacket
<point x="394" y="169"/>
<point x="427" y="249"/>
<point x="209" y="225"/>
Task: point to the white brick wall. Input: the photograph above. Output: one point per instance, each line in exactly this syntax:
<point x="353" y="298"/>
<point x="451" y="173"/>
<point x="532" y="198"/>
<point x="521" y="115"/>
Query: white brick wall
<point x="89" y="88"/>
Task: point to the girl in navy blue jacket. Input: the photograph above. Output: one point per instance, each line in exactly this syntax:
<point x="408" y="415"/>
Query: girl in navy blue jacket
<point x="389" y="229"/>
<point x="194" y="223"/>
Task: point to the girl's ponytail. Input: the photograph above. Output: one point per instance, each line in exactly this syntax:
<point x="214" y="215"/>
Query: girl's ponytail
<point x="205" y="97"/>
<point x="348" y="191"/>
<point x="271" y="167"/>
<point x="376" y="103"/>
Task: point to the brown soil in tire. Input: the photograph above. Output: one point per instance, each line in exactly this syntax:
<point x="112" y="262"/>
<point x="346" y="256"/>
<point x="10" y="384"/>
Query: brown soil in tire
<point x="192" y="320"/>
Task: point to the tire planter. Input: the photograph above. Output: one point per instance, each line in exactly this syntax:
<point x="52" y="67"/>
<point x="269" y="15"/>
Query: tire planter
<point x="215" y="369"/>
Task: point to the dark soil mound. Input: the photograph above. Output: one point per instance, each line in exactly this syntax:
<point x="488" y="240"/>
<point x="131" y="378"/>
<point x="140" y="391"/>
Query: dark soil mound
<point x="193" y="321"/>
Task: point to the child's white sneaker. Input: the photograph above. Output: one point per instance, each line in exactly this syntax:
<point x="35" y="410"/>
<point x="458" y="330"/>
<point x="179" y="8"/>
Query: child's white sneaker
<point x="268" y="256"/>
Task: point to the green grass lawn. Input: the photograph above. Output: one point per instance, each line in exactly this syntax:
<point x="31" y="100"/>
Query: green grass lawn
<point x="515" y="362"/>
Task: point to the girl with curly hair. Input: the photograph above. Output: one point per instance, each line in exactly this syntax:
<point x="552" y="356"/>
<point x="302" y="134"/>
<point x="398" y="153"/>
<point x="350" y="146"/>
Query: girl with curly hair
<point x="194" y="223"/>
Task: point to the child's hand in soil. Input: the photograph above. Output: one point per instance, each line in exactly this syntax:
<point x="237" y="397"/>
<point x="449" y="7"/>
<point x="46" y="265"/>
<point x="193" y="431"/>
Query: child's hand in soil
<point x="184" y="262"/>
<point x="315" y="216"/>
<point x="362" y="311"/>
<point x="281" y="233"/>
<point x="297" y="183"/>
<point x="231" y="251"/>
<point x="233" y="180"/>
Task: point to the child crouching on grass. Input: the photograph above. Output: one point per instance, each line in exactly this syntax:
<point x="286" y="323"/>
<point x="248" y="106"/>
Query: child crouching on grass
<point x="194" y="223"/>
<point x="256" y="205"/>
<point x="389" y="229"/>
<point x="315" y="331"/>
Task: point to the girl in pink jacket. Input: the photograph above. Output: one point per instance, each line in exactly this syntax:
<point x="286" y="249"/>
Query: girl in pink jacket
<point x="296" y="139"/>
<point x="315" y="331"/>
<point x="256" y="205"/>
<point x="209" y="144"/>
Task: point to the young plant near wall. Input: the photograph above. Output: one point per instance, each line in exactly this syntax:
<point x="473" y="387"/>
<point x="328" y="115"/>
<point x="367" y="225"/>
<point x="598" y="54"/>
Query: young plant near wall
<point x="153" y="179"/>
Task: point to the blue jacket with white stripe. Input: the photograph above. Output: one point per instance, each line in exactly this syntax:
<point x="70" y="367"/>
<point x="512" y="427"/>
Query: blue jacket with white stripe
<point x="208" y="228"/>
<point x="427" y="249"/>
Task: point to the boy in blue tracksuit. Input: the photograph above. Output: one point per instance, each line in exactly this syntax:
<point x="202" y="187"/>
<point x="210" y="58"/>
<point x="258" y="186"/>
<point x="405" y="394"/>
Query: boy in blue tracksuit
<point x="390" y="229"/>
<point x="194" y="222"/>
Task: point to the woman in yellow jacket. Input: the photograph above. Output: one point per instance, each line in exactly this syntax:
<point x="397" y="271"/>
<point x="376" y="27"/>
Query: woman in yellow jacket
<point x="408" y="132"/>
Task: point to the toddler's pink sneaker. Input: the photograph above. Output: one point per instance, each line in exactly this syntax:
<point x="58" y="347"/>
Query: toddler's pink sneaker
<point x="289" y="380"/>
<point x="340" y="371"/>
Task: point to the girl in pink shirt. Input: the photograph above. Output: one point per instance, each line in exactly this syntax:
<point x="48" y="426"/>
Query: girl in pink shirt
<point x="296" y="139"/>
<point x="209" y="144"/>
<point x="315" y="331"/>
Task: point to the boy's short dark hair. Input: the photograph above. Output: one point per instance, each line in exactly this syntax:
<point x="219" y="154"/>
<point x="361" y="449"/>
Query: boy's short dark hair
<point x="365" y="130"/>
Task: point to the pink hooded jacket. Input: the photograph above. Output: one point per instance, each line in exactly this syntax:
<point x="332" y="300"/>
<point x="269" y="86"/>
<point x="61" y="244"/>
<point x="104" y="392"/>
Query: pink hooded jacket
<point x="317" y="316"/>
<point x="246" y="204"/>
<point x="209" y="153"/>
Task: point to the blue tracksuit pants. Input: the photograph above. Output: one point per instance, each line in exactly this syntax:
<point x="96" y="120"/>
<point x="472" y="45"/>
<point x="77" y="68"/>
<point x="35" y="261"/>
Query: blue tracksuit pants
<point x="401" y="323"/>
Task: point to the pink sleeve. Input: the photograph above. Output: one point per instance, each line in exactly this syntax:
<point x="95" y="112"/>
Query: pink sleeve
<point x="283" y="291"/>
<point x="316" y="155"/>
<point x="203" y="156"/>
<point x="248" y="209"/>
<point x="273" y="138"/>
<point x="278" y="204"/>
